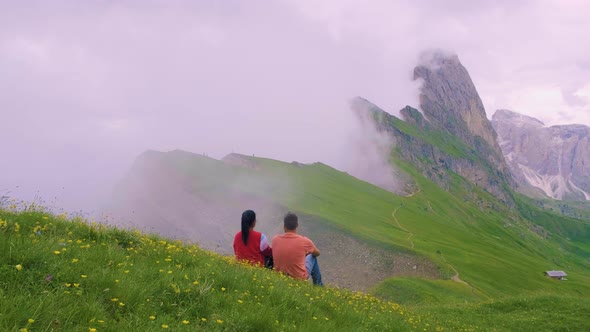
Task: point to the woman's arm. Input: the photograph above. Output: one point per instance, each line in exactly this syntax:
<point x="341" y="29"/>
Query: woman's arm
<point x="265" y="248"/>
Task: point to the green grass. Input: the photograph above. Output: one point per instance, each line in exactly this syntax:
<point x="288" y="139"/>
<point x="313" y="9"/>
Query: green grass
<point x="461" y="229"/>
<point x="580" y="210"/>
<point x="538" y="312"/>
<point x="424" y="292"/>
<point x="68" y="275"/>
<point x="464" y="229"/>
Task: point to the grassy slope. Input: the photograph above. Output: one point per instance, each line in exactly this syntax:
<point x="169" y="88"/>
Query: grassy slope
<point x="502" y="264"/>
<point x="575" y="209"/>
<point x="493" y="249"/>
<point x="72" y="276"/>
<point x="58" y="274"/>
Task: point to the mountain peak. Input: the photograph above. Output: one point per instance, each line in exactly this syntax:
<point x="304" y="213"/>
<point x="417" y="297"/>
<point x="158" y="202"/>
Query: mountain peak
<point x="450" y="100"/>
<point x="435" y="59"/>
<point x="516" y="118"/>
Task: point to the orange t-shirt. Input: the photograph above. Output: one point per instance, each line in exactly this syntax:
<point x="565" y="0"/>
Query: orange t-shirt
<point x="289" y="251"/>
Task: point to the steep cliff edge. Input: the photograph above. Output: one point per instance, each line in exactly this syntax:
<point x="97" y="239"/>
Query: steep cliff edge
<point x="450" y="133"/>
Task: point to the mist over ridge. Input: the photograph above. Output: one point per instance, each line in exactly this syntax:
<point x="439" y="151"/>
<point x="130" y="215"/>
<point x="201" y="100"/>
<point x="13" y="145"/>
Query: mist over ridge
<point x="88" y="87"/>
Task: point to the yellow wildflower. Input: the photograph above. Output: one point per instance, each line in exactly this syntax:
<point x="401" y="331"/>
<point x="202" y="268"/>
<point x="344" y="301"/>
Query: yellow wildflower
<point x="203" y="319"/>
<point x="83" y="276"/>
<point x="74" y="260"/>
<point x="164" y="326"/>
<point x="19" y="267"/>
<point x="31" y="320"/>
<point x="114" y="299"/>
<point x="219" y="321"/>
<point x="185" y="322"/>
<point x="91" y="329"/>
<point x="152" y="317"/>
<point x="57" y="252"/>
<point x="76" y="284"/>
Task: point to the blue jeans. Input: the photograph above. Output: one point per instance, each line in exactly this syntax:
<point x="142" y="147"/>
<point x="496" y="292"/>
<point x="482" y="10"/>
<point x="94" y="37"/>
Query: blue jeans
<point x="313" y="269"/>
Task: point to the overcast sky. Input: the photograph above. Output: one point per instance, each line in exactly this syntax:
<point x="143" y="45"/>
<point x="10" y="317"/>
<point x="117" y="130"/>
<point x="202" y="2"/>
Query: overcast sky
<point x="85" y="86"/>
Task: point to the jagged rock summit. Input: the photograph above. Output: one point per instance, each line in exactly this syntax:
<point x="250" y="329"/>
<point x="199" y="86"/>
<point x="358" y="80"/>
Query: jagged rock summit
<point x="449" y="100"/>
<point x="452" y="131"/>
<point x="554" y="160"/>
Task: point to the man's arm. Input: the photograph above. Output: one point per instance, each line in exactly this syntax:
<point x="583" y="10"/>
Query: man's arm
<point x="312" y="249"/>
<point x="316" y="252"/>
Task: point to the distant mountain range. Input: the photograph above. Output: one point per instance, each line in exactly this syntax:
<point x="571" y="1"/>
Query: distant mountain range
<point x="554" y="161"/>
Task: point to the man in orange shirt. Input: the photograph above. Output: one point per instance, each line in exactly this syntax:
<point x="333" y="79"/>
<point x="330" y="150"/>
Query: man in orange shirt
<point x="295" y="255"/>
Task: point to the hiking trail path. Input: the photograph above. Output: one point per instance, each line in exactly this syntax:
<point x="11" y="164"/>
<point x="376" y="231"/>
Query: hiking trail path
<point x="455" y="277"/>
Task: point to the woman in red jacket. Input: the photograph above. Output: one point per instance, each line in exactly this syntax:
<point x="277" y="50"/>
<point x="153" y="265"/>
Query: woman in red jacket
<point x="249" y="244"/>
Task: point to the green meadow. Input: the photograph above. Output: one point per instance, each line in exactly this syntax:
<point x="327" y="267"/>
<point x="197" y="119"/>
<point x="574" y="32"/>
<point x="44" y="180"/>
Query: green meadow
<point x="71" y="275"/>
<point x="63" y="274"/>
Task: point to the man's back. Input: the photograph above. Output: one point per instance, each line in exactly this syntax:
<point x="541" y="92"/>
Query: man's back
<point x="289" y="251"/>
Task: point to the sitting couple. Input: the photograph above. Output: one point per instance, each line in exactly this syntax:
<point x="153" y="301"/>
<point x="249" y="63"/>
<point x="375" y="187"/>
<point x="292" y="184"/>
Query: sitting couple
<point x="293" y="254"/>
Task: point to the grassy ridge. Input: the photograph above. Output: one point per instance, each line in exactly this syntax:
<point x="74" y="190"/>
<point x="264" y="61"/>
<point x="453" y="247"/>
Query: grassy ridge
<point x="68" y="275"/>
<point x="534" y="312"/>
<point x="493" y="248"/>
<point x="540" y="312"/>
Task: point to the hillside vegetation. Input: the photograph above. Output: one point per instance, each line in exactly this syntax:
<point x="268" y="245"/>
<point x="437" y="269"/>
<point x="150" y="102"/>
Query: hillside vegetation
<point x="70" y="275"/>
<point x="491" y="257"/>
<point x="497" y="251"/>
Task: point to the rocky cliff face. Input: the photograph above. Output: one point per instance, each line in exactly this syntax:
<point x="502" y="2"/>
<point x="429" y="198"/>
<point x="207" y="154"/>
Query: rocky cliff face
<point x="451" y="133"/>
<point x="450" y="102"/>
<point x="555" y="160"/>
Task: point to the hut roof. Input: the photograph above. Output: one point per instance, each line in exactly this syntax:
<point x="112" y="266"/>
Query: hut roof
<point x="556" y="273"/>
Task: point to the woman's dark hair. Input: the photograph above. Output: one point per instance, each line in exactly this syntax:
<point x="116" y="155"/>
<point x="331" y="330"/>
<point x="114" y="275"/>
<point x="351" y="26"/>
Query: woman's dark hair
<point x="248" y="219"/>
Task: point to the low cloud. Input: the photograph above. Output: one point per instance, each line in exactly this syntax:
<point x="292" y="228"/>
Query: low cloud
<point x="86" y="87"/>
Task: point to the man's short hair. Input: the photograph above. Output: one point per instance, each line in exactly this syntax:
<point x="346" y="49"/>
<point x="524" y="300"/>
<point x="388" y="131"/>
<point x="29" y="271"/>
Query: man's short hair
<point x="291" y="221"/>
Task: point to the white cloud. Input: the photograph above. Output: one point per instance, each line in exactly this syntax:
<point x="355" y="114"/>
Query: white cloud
<point x="547" y="103"/>
<point x="115" y="124"/>
<point x="268" y="78"/>
<point x="584" y="93"/>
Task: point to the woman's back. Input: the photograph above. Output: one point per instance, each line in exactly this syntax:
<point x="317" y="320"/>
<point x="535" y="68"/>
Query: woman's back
<point x="252" y="250"/>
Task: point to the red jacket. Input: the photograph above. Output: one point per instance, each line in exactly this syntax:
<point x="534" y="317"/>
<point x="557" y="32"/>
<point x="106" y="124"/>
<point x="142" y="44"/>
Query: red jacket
<point x="256" y="249"/>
